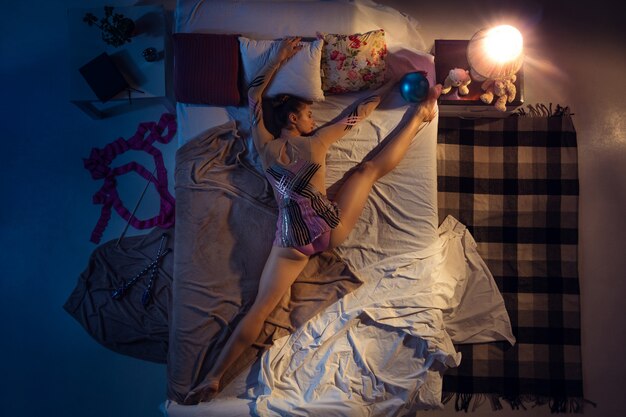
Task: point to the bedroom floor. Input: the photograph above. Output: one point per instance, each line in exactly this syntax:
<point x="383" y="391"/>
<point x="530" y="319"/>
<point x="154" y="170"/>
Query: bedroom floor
<point x="52" y="367"/>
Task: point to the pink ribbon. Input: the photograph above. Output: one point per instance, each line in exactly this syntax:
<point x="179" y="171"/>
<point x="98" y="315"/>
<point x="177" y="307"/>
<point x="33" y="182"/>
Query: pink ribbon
<point x="98" y="164"/>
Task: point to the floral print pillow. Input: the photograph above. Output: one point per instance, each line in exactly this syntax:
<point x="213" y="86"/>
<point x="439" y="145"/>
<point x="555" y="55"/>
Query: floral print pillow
<point x="353" y="62"/>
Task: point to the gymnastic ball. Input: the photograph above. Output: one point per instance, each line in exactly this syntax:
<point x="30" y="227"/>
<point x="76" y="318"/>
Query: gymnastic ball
<point x="414" y="87"/>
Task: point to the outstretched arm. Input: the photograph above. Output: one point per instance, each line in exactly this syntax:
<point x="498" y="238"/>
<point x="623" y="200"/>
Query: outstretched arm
<point x="286" y="49"/>
<point x="331" y="133"/>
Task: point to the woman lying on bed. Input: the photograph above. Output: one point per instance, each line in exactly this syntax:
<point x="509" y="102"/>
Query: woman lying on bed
<point x="294" y="163"/>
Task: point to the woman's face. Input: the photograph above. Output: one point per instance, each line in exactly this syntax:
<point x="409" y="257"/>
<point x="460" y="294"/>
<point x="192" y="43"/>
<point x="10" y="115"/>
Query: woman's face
<point x="303" y="120"/>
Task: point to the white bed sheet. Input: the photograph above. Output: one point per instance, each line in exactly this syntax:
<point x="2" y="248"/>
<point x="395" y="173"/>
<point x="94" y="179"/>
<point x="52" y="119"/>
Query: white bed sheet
<point x="379" y="351"/>
<point x="415" y="273"/>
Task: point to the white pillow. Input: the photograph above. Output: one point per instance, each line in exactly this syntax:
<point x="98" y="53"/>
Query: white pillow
<point x="299" y="76"/>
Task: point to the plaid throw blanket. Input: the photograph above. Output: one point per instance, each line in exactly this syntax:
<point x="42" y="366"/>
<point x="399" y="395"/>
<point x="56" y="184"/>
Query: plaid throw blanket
<point x="514" y="183"/>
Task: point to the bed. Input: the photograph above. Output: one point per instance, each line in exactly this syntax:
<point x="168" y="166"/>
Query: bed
<point x="406" y="314"/>
<point x="370" y="328"/>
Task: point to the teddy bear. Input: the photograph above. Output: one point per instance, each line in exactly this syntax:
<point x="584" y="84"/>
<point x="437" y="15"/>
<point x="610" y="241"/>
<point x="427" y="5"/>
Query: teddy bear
<point x="457" y="77"/>
<point x="502" y="89"/>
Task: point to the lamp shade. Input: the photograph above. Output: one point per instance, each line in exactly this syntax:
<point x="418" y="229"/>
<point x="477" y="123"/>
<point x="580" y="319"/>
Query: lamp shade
<point x="495" y="53"/>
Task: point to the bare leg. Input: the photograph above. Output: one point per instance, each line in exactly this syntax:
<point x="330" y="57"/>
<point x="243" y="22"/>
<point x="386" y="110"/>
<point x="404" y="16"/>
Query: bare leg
<point x="354" y="192"/>
<point x="281" y="269"/>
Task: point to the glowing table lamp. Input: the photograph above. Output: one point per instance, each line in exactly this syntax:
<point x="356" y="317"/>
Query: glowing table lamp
<point x="495" y="53"/>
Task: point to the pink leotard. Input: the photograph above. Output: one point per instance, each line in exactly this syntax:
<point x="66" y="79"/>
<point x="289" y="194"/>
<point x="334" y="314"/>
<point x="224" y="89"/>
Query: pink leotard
<point x="305" y="216"/>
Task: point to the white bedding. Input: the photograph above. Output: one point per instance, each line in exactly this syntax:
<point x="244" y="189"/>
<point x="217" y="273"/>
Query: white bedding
<point x="381" y="350"/>
<point x="385" y="346"/>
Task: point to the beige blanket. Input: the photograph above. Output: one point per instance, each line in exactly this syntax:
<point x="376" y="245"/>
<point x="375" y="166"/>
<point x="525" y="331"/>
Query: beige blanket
<point x="225" y="224"/>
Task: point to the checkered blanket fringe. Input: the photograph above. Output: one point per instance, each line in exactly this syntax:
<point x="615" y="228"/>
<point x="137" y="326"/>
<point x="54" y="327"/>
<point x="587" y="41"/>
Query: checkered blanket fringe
<point x="471" y="402"/>
<point x="514" y="183"/>
<point x="542" y="110"/>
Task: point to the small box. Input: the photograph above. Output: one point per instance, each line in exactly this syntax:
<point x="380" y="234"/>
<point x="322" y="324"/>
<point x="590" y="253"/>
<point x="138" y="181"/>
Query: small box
<point x="451" y="54"/>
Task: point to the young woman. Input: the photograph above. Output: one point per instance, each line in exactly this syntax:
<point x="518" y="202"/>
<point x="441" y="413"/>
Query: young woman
<point x="308" y="222"/>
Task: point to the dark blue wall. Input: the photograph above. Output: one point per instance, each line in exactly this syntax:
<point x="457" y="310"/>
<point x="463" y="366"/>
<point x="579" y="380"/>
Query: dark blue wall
<point x="49" y="365"/>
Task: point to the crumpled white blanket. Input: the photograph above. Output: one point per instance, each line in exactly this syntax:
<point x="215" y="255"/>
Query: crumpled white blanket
<point x="381" y="350"/>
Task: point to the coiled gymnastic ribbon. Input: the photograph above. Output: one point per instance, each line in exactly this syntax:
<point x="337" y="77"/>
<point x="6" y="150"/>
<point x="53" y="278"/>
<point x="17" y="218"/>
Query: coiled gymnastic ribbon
<point x="99" y="162"/>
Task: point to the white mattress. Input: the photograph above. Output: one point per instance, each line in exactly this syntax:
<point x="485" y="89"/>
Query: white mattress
<point x="386" y="344"/>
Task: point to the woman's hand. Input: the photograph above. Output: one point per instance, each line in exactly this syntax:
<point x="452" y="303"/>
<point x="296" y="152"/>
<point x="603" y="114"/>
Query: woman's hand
<point x="288" y="47"/>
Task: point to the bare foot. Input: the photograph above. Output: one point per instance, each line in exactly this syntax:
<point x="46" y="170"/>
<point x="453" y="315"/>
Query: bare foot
<point x="213" y="385"/>
<point x="211" y="388"/>
<point x="205" y="392"/>
<point x="427" y="109"/>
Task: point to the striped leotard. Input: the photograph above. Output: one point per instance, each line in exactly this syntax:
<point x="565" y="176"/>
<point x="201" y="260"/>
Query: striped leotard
<point x="305" y="216"/>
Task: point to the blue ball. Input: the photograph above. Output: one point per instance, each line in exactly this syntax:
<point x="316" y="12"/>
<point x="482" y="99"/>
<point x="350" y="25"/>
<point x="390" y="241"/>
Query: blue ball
<point x="414" y="87"/>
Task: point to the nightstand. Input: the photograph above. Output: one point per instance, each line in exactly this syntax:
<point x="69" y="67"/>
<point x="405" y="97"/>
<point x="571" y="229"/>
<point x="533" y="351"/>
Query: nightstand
<point x="453" y="54"/>
<point x="148" y="80"/>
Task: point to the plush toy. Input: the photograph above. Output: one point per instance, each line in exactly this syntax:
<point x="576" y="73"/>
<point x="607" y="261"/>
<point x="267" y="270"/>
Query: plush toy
<point x="457" y="77"/>
<point x="502" y="89"/>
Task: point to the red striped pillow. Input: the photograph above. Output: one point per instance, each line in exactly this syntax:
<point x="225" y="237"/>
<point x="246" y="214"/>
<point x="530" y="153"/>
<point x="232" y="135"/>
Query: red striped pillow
<point x="206" y="68"/>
